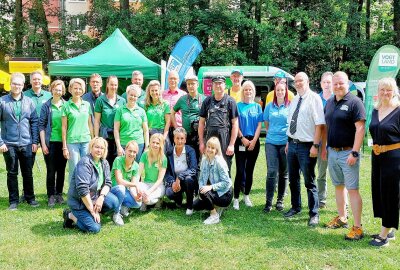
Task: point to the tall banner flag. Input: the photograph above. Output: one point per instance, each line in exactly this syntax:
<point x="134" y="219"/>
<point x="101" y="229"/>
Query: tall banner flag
<point x="386" y="63"/>
<point x="182" y="57"/>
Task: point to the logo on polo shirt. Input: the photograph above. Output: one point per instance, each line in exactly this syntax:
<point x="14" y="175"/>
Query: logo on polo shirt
<point x="344" y="108"/>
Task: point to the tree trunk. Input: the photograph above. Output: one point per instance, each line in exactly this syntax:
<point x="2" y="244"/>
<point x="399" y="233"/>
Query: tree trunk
<point x="368" y="20"/>
<point x="44" y="25"/>
<point x="124" y="5"/>
<point x="396" y="22"/>
<point x="353" y="31"/>
<point x="19" y="35"/>
<point x="256" y="38"/>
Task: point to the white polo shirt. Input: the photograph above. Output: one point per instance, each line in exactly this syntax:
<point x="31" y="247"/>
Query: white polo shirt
<point x="180" y="162"/>
<point x="311" y="113"/>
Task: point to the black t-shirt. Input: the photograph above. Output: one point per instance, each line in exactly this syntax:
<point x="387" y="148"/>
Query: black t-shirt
<point x="340" y="117"/>
<point x="386" y="131"/>
<point x="226" y="102"/>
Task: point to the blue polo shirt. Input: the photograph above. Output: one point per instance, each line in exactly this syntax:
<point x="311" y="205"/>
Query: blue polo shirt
<point x="250" y="114"/>
<point x="277" y="119"/>
<point x="321" y="94"/>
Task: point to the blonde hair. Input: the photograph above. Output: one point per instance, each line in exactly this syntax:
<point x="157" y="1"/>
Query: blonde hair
<point x="158" y="156"/>
<point x="214" y="142"/>
<point x="108" y="81"/>
<point x="57" y="83"/>
<point x="133" y="143"/>
<point x="253" y="90"/>
<point x="133" y="87"/>
<point x="149" y="99"/>
<point x="78" y="81"/>
<point x="99" y="140"/>
<point x="389" y="83"/>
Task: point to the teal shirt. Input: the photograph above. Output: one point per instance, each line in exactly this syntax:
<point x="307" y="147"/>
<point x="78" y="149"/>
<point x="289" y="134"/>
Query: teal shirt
<point x="17" y="109"/>
<point x="190" y="108"/>
<point x="38" y="100"/>
<point x="107" y="110"/>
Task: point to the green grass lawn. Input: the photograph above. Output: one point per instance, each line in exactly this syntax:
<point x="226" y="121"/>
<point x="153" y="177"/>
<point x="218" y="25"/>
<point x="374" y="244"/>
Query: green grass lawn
<point x="159" y="239"/>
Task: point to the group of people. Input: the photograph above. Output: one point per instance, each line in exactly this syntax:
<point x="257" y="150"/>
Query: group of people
<point x="130" y="151"/>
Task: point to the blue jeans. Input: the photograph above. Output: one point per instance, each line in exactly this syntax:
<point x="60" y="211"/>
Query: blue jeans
<point x="129" y="201"/>
<point x="76" y="151"/>
<point x="299" y="159"/>
<point x="23" y="156"/>
<point x="276" y="170"/>
<point x="112" y="203"/>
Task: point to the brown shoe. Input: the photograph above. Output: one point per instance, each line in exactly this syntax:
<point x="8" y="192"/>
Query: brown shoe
<point x="356" y="233"/>
<point x="336" y="223"/>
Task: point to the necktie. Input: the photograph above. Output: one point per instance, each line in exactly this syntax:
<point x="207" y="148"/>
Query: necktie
<point x="293" y="123"/>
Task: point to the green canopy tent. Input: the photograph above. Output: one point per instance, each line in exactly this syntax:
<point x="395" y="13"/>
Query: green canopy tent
<point x="114" y="56"/>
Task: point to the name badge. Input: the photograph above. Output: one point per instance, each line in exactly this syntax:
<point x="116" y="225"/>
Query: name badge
<point x="242" y="148"/>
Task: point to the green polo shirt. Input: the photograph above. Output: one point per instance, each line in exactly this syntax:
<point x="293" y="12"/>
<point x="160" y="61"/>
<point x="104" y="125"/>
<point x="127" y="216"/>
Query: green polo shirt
<point x="141" y="101"/>
<point x="56" y="124"/>
<point x="17" y="108"/>
<point x="156" y="115"/>
<point x="190" y="108"/>
<point x="107" y="110"/>
<point x="151" y="170"/>
<point x="38" y="100"/>
<point x="99" y="168"/>
<point x="127" y="174"/>
<point x="77" y="117"/>
<point x="131" y="124"/>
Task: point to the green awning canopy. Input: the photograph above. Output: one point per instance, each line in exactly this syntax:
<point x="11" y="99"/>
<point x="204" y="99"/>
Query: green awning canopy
<point x="114" y="56"/>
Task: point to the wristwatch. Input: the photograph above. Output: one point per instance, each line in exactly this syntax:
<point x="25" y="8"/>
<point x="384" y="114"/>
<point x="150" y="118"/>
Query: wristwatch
<point x="355" y="154"/>
<point x="316" y="145"/>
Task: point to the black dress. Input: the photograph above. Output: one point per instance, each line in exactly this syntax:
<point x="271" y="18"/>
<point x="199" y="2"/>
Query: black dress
<point x="385" y="178"/>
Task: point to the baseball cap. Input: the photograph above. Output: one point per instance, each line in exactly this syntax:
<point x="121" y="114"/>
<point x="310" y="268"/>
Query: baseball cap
<point x="236" y="70"/>
<point x="280" y="74"/>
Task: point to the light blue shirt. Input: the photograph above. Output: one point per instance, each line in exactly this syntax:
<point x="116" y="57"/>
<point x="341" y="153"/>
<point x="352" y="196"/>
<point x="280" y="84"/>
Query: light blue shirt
<point x="217" y="172"/>
<point x="250" y="114"/>
<point x="277" y="119"/>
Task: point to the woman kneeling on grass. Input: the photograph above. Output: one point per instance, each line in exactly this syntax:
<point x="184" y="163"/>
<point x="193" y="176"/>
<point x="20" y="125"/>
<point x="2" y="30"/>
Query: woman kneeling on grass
<point x="214" y="183"/>
<point x="154" y="163"/>
<point x="90" y="191"/>
<point x="125" y="172"/>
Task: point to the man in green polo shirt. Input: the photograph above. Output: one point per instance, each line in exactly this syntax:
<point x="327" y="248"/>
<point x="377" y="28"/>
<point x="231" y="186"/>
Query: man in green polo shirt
<point x="36" y="93"/>
<point x="138" y="79"/>
<point x="190" y="105"/>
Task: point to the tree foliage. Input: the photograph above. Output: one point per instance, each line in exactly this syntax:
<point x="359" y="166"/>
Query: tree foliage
<point x="296" y="35"/>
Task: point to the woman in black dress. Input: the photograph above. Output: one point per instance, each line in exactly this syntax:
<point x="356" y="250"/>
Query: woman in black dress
<point x="385" y="178"/>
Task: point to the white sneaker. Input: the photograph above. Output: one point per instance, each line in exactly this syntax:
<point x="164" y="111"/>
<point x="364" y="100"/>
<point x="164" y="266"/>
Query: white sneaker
<point x="236" y="204"/>
<point x="247" y="201"/>
<point x="124" y="211"/>
<point x="212" y="219"/>
<point x="117" y="218"/>
<point x="189" y="212"/>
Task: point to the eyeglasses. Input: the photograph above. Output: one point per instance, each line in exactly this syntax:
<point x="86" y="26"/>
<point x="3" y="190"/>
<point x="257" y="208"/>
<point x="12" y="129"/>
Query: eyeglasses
<point x="17" y="84"/>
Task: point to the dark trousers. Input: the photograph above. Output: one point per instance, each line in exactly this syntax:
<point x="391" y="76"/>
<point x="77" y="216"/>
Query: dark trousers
<point x="112" y="151"/>
<point x="188" y="187"/>
<point x="19" y="155"/>
<point x="299" y="159"/>
<point x="224" y="137"/>
<point x="55" y="164"/>
<point x="211" y="199"/>
<point x="276" y="170"/>
<point x="245" y="163"/>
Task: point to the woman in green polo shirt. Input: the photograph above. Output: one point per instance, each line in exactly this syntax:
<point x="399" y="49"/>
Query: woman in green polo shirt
<point x="51" y="142"/>
<point x="104" y="112"/>
<point x="130" y="123"/>
<point x="125" y="172"/>
<point x="157" y="110"/>
<point x="154" y="164"/>
<point x="77" y="129"/>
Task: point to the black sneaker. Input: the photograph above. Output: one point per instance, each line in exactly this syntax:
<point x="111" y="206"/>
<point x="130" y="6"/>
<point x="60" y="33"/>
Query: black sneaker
<point x="51" y="202"/>
<point x="34" y="203"/>
<point x="279" y="206"/>
<point x="267" y="208"/>
<point x="13" y="207"/>
<point x="292" y="212"/>
<point x="379" y="242"/>
<point x="390" y="235"/>
<point x="68" y="223"/>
